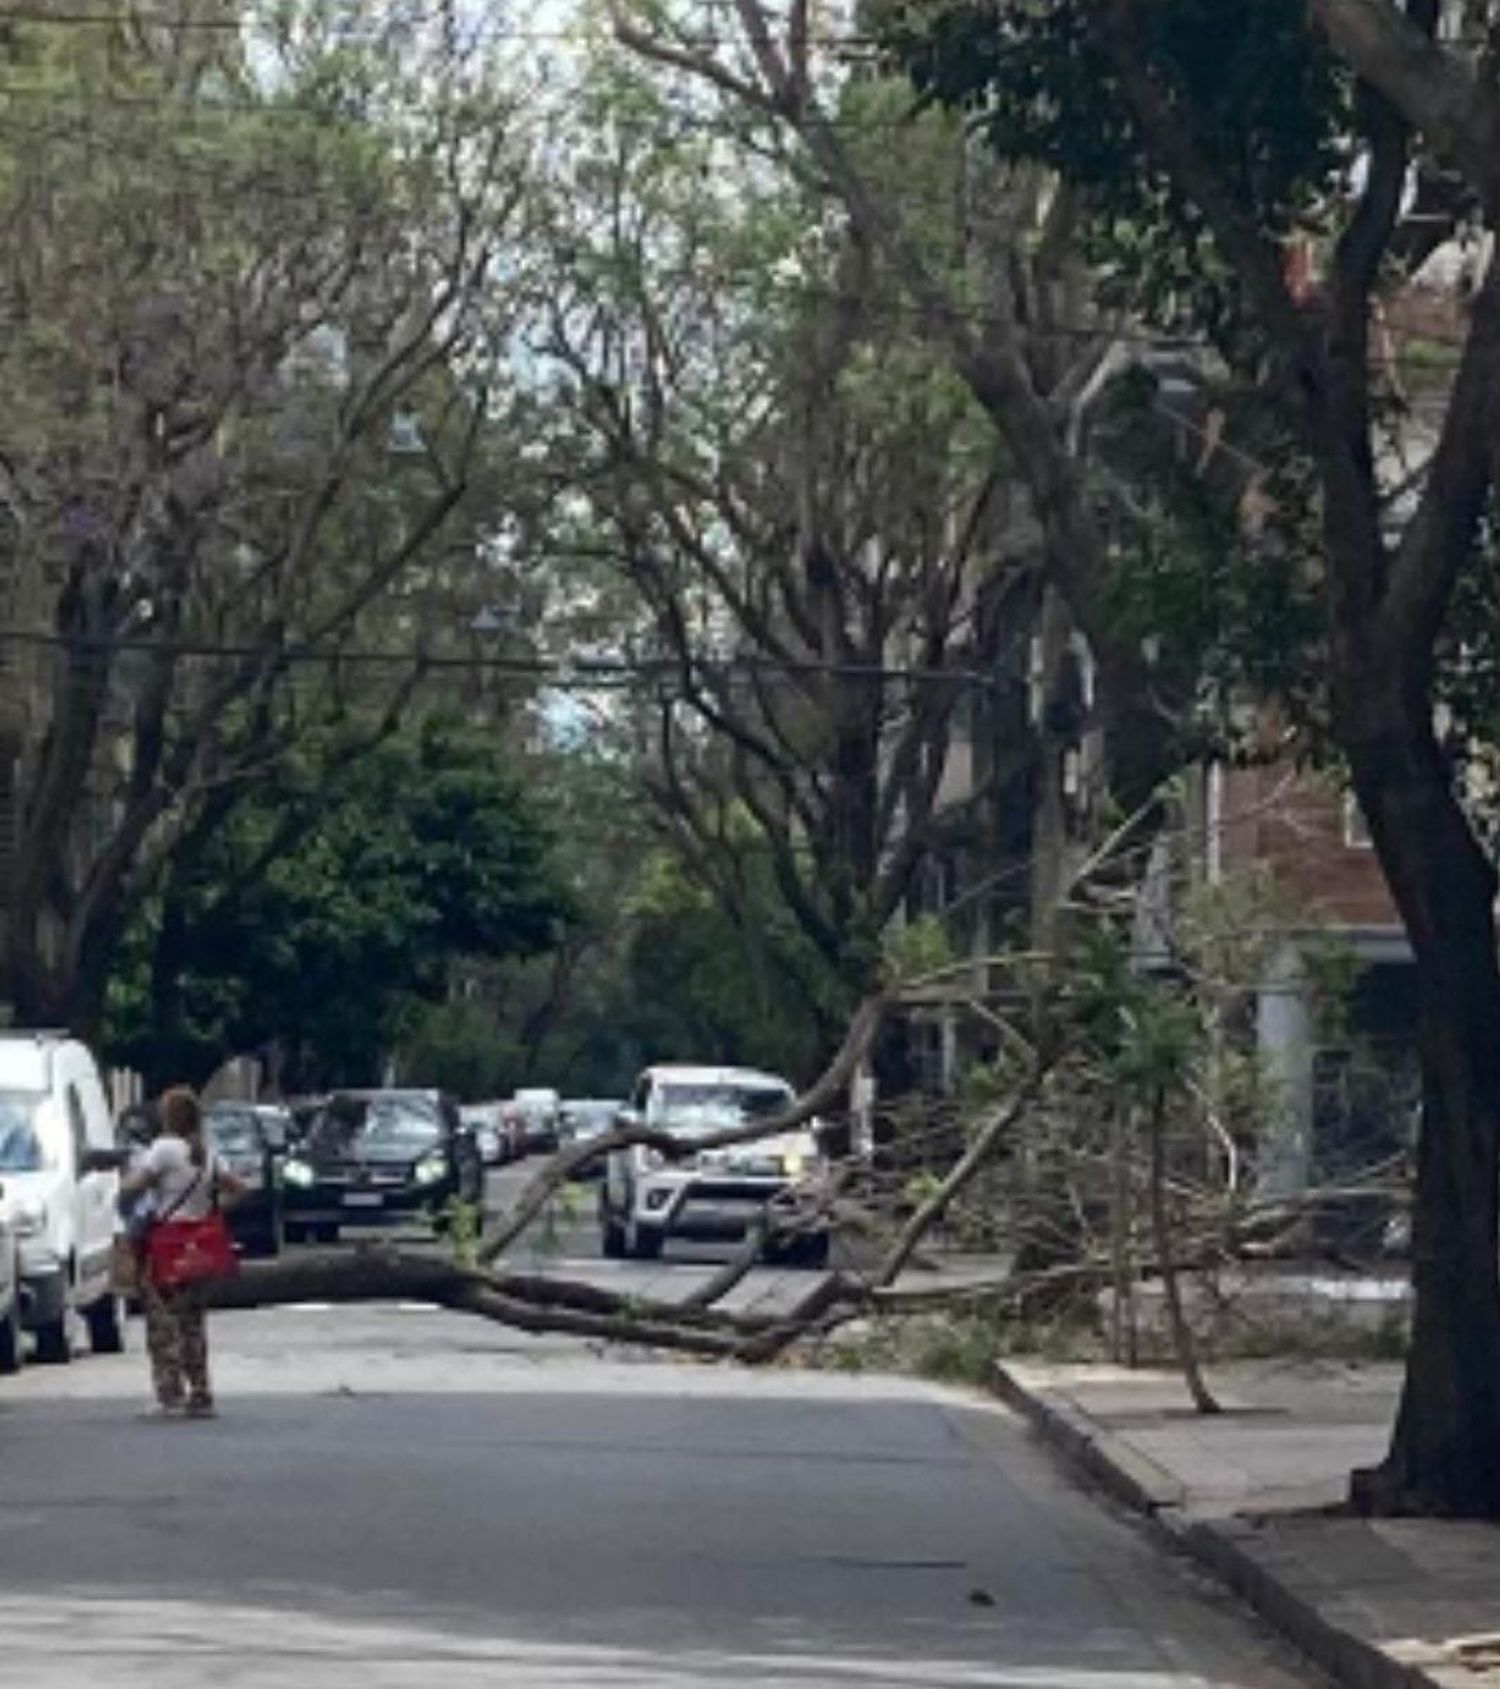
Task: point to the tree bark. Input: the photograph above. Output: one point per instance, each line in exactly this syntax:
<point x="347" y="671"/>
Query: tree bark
<point x="1388" y="608"/>
<point x="1445" y="1452"/>
<point x="527" y="1303"/>
<point x="1423" y="79"/>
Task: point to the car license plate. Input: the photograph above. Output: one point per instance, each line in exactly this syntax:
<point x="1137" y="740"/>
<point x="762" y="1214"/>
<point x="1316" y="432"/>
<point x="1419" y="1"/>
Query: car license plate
<point x="363" y="1199"/>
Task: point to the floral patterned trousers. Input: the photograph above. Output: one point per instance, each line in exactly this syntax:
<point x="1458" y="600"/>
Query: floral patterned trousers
<point x="177" y="1341"/>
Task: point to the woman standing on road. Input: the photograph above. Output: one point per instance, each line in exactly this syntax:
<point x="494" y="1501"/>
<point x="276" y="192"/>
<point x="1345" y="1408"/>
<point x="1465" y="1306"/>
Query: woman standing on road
<point x="186" y="1183"/>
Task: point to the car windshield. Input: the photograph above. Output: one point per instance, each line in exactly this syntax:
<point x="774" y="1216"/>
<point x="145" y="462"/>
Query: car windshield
<point x="276" y="1126"/>
<point x="235" y="1134"/>
<point x="586" y="1119"/>
<point x="20" y="1148"/>
<point x="719" y="1107"/>
<point x="405" y="1125"/>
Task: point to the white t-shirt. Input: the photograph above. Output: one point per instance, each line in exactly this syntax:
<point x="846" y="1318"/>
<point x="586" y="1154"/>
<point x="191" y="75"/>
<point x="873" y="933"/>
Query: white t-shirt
<point x="181" y="1190"/>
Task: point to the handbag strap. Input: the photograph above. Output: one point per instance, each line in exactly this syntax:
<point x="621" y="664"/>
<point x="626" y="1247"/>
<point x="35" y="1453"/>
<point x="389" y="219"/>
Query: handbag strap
<point x="183" y="1197"/>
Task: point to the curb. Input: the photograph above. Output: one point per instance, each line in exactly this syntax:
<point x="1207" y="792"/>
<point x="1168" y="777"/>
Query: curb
<point x="1228" y="1548"/>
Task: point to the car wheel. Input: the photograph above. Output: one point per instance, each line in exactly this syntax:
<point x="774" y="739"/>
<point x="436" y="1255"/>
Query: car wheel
<point x="54" y="1343"/>
<point x="10" y="1338"/>
<point x="106" y="1328"/>
<point x="646" y="1241"/>
<point x="611" y="1236"/>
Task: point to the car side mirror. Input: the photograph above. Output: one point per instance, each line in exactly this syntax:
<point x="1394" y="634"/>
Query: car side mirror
<point x="628" y="1119"/>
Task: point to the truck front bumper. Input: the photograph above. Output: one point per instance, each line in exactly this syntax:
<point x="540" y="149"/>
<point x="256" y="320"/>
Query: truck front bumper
<point x="44" y="1285"/>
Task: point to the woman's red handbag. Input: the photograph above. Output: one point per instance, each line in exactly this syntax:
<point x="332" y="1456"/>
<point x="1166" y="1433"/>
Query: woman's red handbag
<point x="183" y="1252"/>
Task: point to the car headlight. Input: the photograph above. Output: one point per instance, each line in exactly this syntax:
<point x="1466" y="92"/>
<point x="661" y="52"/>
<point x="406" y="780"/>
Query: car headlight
<point x="652" y="1159"/>
<point x="794" y="1163"/>
<point x="432" y="1167"/>
<point x="297" y="1173"/>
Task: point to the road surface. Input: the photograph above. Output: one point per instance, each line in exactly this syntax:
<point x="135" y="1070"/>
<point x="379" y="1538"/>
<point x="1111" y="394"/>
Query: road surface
<point x="398" y="1498"/>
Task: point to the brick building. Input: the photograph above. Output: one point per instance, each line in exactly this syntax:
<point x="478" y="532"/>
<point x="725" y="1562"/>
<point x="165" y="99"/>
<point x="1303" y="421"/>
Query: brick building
<point x="1348" y="1092"/>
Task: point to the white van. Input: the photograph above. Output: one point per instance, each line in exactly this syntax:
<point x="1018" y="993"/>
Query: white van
<point x="10" y="1296"/>
<point x="53" y="1113"/>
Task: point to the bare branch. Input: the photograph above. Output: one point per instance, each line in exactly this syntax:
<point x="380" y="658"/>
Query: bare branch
<point x="1429" y="84"/>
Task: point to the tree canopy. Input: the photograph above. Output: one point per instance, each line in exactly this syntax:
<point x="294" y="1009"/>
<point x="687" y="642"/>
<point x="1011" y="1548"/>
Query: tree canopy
<point x="329" y="907"/>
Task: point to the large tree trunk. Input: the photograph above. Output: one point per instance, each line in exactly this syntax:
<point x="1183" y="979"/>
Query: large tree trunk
<point x="1445" y="1453"/>
<point x="30" y="985"/>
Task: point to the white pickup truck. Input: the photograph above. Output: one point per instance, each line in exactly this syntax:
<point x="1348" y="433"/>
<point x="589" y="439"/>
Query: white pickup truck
<point x="53" y="1117"/>
<point x="718" y="1193"/>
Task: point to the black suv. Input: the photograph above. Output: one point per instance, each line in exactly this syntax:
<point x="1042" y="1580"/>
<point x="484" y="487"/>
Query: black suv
<point x="379" y="1158"/>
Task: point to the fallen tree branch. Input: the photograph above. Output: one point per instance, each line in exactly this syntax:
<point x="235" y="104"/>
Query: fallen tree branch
<point x="832" y="1294"/>
<point x="777" y="1224"/>
<point x="986" y="1141"/>
<point x="1161" y="1231"/>
<point x="527" y="1302"/>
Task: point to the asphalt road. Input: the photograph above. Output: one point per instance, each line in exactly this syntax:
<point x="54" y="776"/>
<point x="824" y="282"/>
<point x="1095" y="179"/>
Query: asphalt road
<point x="401" y="1497"/>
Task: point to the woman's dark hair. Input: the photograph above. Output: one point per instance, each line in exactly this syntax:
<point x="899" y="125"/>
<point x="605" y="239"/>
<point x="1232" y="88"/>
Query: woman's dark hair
<point x="181" y="1114"/>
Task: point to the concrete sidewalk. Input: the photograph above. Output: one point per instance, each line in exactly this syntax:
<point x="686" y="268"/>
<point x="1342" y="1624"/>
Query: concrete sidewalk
<point x="1376" y="1603"/>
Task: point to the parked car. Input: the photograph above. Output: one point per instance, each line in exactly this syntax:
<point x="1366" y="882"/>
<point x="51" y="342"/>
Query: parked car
<point x="582" y="1118"/>
<point x="58" y="1203"/>
<point x="10" y="1297"/>
<point x="278" y="1126"/>
<point x="490" y="1136"/>
<point x="247" y="1139"/>
<point x="135" y="1126"/>
<point x="379" y="1158"/>
<point x="301" y="1112"/>
<point x="714" y="1195"/>
<point x="534" y="1120"/>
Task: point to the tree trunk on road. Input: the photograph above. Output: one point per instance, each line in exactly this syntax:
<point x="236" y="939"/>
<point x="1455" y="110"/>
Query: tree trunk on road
<point x="527" y="1302"/>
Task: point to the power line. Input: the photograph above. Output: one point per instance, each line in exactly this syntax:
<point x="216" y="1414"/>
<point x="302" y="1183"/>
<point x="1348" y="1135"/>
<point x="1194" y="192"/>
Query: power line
<point x="582" y="672"/>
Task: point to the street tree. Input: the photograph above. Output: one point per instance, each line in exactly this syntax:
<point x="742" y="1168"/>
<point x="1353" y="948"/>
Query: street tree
<point x="1197" y="147"/>
<point x="1124" y="467"/>
<point x="336" y="900"/>
<point x="254" y="322"/>
<point x="1209" y="156"/>
<point x="812" y="513"/>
